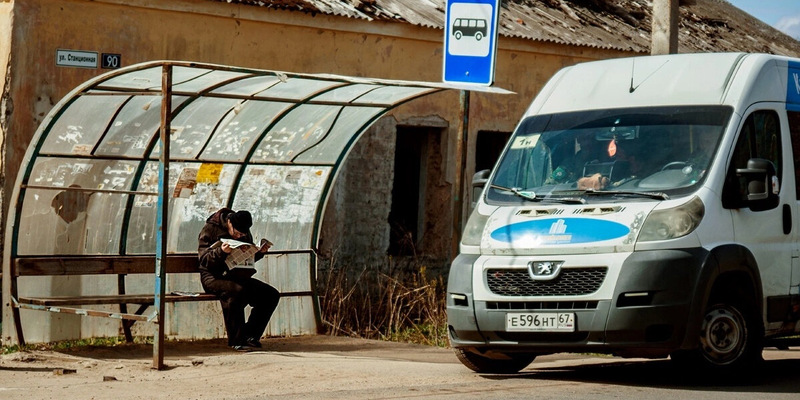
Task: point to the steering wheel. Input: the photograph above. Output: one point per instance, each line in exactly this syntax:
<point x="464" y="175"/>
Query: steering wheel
<point x="675" y="165"/>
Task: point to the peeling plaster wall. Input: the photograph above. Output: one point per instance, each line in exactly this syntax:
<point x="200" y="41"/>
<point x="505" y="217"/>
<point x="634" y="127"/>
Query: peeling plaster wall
<point x="6" y="105"/>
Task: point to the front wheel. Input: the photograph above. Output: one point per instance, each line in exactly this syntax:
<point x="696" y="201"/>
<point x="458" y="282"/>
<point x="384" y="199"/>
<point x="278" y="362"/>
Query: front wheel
<point x="478" y="363"/>
<point x="729" y="339"/>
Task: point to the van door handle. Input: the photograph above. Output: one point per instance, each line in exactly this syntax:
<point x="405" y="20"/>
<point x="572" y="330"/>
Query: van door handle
<point x="787" y="219"/>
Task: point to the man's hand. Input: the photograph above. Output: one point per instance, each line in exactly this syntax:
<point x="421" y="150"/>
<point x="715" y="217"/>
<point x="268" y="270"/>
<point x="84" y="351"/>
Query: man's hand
<point x="595" y="182"/>
<point x="226" y="248"/>
<point x="265" y="245"/>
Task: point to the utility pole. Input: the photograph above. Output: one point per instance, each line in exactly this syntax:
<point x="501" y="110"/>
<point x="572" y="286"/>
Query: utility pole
<point x="665" y="27"/>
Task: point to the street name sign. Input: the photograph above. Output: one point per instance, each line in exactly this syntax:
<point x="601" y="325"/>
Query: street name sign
<point x="76" y="58"/>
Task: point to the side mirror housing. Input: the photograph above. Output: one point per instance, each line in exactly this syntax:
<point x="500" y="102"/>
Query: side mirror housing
<point x="762" y="184"/>
<point x="478" y="182"/>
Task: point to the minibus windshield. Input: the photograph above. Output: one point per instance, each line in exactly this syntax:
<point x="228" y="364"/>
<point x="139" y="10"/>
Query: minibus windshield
<point x="658" y="151"/>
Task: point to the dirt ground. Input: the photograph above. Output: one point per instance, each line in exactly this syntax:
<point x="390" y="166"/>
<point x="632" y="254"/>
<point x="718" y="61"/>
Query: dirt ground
<point x="300" y="367"/>
<point x="325" y="367"/>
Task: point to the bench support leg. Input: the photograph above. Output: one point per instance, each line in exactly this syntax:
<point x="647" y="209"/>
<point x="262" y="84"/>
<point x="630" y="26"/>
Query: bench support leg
<point x="123" y="308"/>
<point x="18" y="326"/>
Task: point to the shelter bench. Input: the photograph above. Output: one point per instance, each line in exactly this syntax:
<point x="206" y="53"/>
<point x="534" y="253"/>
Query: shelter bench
<point x="99" y="265"/>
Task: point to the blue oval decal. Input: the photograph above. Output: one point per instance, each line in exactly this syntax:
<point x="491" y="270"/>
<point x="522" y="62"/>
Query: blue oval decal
<point x="560" y="231"/>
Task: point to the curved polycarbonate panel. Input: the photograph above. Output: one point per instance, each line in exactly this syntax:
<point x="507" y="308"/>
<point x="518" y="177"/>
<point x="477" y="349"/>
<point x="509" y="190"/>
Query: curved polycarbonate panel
<point x="67" y="221"/>
<point x="346" y="94"/>
<point x="193" y="125"/>
<point x="139" y="80"/>
<point x="248" y="86"/>
<point x="64" y="213"/>
<point x="134" y="127"/>
<point x="87" y="173"/>
<point x="199" y="189"/>
<point x="78" y="129"/>
<point x="305" y="126"/>
<point x="207" y="80"/>
<point x="284" y="201"/>
<point x="240" y="129"/>
<point x="150" y="78"/>
<point x="298" y="88"/>
<point x="392" y="94"/>
<point x="328" y="151"/>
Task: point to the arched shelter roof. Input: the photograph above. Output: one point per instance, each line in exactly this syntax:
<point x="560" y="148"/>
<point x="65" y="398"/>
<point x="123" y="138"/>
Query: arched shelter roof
<point x="95" y="184"/>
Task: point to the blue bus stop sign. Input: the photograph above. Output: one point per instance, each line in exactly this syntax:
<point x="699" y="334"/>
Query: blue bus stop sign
<point x="470" y="41"/>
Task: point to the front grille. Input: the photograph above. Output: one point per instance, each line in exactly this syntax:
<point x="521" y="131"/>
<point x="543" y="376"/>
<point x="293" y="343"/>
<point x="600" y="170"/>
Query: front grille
<point x="570" y="282"/>
<point x="541" y="305"/>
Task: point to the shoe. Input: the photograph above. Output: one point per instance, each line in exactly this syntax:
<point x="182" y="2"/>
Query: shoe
<point x="253" y="342"/>
<point x="243" y="348"/>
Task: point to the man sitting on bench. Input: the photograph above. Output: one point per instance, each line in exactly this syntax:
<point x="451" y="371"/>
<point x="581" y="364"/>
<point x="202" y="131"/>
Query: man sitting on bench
<point x="235" y="291"/>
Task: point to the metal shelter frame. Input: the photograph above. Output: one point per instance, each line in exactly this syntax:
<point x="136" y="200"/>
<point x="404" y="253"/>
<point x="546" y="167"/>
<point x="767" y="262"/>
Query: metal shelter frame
<point x="138" y="157"/>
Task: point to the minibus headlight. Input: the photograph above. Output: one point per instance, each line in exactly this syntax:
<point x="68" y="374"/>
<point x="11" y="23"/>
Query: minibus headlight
<point x="674" y="222"/>
<point x="474" y="229"/>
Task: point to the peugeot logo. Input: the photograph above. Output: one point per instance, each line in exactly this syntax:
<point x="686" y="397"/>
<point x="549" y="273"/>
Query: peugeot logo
<point x="544" y="270"/>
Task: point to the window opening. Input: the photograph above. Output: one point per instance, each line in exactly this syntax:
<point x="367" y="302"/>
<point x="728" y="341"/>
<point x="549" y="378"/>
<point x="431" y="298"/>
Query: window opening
<point x="760" y="137"/>
<point x="794" y="129"/>
<point x="488" y="147"/>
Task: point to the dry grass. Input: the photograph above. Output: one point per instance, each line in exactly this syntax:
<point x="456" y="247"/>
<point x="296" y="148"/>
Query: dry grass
<point x="389" y="303"/>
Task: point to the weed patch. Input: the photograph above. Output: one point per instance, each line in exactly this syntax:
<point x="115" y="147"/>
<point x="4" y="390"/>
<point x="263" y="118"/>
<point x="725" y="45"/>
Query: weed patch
<point x="397" y="304"/>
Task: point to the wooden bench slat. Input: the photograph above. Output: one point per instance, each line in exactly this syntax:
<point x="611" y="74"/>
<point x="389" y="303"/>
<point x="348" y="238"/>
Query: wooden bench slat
<point x="100" y="265"/>
<point x="113" y="299"/>
<point x="91" y="313"/>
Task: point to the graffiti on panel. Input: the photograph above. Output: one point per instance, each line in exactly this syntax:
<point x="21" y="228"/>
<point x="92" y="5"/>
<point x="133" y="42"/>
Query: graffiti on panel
<point x="282" y="194"/>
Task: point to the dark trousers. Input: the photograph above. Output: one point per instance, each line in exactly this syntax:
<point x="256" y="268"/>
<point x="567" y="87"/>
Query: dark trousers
<point x="234" y="296"/>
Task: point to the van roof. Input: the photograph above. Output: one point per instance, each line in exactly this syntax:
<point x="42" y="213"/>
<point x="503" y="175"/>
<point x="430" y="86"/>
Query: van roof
<point x="736" y="79"/>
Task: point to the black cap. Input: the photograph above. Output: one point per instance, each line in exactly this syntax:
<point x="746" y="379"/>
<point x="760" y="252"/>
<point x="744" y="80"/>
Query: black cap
<point x="241" y="221"/>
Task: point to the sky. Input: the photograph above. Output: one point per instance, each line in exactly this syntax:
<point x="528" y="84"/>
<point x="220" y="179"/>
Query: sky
<point x="784" y="15"/>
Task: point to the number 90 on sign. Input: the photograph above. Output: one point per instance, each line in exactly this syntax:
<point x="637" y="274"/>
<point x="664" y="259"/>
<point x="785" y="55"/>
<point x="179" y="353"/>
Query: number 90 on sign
<point x="540" y="322"/>
<point x="110" y="61"/>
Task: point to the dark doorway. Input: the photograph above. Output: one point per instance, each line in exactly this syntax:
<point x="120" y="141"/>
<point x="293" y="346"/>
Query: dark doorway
<point x="418" y="193"/>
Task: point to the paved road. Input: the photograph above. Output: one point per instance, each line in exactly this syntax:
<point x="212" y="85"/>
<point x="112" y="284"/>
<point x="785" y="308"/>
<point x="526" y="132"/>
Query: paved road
<point x="346" y="368"/>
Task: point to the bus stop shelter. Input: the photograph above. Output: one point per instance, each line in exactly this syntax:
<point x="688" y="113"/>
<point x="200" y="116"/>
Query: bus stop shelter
<point x="131" y="163"/>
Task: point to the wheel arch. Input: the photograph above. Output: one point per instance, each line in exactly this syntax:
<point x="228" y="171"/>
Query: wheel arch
<point x="727" y="266"/>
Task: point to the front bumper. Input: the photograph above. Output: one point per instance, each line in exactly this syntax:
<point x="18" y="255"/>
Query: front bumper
<point x="647" y="316"/>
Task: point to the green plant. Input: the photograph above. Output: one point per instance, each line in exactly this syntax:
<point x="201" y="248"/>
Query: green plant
<point x="65" y="345"/>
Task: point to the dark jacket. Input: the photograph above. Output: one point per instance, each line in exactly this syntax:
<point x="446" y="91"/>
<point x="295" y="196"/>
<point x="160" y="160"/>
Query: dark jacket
<point x="212" y="260"/>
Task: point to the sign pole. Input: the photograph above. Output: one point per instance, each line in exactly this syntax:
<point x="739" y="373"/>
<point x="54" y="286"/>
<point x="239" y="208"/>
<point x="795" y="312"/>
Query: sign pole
<point x="162" y="216"/>
<point x="461" y="165"/>
<point x="470" y="49"/>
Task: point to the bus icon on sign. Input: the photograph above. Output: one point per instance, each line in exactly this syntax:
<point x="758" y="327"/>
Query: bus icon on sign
<point x="469" y="27"/>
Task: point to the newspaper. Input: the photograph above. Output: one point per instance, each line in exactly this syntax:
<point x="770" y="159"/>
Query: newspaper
<point x="242" y="255"/>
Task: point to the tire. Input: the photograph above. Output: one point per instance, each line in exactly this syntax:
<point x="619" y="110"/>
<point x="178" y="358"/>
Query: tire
<point x="478" y="36"/>
<point x="478" y="363"/>
<point x="730" y="339"/>
<point x="457" y="35"/>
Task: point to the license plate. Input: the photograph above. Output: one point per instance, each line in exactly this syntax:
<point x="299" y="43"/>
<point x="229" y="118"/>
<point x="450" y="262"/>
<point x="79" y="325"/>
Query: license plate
<point x="540" y="322"/>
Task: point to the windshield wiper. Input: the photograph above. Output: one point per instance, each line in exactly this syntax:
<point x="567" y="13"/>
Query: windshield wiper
<point x="531" y="196"/>
<point x="519" y="193"/>
<point x="650" y="195"/>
